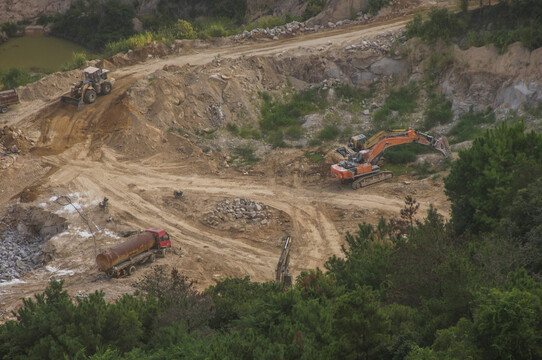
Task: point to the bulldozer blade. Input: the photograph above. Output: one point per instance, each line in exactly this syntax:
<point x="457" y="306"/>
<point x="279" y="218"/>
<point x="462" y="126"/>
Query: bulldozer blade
<point x="72" y="101"/>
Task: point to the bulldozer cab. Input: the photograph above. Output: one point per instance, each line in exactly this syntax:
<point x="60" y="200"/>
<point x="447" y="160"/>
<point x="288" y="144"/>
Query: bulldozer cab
<point x="93" y="74"/>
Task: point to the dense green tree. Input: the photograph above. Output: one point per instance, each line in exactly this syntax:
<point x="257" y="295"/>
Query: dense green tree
<point x="95" y="23"/>
<point x="359" y="325"/>
<point x="486" y="178"/>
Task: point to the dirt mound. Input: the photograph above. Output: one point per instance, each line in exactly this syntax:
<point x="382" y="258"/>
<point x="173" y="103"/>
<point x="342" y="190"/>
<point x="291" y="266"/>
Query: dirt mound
<point x="49" y="87"/>
<point x="13" y="140"/>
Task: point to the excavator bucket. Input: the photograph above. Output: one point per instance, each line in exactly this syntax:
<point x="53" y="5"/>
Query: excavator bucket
<point x="442" y="145"/>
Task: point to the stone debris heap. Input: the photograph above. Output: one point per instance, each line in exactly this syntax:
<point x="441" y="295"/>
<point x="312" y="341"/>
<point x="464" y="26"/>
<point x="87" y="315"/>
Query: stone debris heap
<point x="21" y="254"/>
<point x="25" y="232"/>
<point x="238" y="209"/>
<point x="293" y="28"/>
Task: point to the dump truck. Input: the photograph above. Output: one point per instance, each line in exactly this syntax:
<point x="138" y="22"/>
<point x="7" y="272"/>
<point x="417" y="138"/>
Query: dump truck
<point x="121" y="260"/>
<point x="94" y="83"/>
<point x="7" y="98"/>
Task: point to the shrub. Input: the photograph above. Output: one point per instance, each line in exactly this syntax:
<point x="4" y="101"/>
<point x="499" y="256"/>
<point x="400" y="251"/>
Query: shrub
<point x="439" y="111"/>
<point x="469" y="125"/>
<point x="94" y="24"/>
<point x="246" y="153"/>
<point x="17" y="77"/>
<point x="232" y="128"/>
<point x="10" y="28"/>
<point x="405" y="153"/>
<point x="530" y="35"/>
<point x="314" y="7"/>
<point x="185" y="30"/>
<point x="267" y="22"/>
<point x="316" y="157"/>
<point x="402" y="100"/>
<point x="441" y="24"/>
<point x="283" y="118"/>
<point x="78" y="60"/>
<point x="247" y="132"/>
<point x="347" y="92"/>
<point x="328" y="133"/>
<point x="486" y="178"/>
<point x="374" y="6"/>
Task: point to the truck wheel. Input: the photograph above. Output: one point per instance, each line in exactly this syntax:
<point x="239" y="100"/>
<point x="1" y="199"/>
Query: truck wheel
<point x="3" y="109"/>
<point x="131" y="270"/>
<point x="90" y="96"/>
<point x="152" y="258"/>
<point x="163" y="252"/>
<point x="106" y="88"/>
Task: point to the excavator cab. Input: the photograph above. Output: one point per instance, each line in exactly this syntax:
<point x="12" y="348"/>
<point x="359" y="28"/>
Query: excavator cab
<point x="358" y="157"/>
<point x="356" y="142"/>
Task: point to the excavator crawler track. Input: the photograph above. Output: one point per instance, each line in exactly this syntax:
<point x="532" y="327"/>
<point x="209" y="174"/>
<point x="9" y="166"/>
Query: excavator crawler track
<point x="371" y="179"/>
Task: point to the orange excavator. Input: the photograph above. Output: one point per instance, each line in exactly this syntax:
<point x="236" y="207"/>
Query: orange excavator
<point x="361" y="168"/>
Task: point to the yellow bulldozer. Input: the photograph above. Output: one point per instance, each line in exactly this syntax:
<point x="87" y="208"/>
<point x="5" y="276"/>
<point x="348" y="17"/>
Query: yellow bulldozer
<point x="94" y="83"/>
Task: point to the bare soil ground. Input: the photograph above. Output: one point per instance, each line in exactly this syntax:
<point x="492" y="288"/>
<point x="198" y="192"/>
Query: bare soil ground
<point x="110" y="149"/>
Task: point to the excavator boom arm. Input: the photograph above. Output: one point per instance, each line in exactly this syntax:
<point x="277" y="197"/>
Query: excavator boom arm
<point x="408" y="136"/>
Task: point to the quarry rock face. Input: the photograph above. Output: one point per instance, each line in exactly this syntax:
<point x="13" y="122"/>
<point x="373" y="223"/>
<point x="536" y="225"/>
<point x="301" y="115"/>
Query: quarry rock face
<point x="17" y="10"/>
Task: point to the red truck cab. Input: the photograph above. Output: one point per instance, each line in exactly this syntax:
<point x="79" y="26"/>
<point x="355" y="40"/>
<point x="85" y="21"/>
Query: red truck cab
<point x="163" y="237"/>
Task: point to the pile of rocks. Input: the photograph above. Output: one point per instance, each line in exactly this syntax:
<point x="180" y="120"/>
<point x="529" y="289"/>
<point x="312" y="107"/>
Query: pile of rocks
<point x="239" y="208"/>
<point x="382" y="43"/>
<point x="291" y="29"/>
<point x="24" y="239"/>
<point x="21" y="254"/>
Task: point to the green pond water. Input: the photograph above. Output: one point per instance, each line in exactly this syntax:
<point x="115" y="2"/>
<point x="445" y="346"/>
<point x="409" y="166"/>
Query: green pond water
<point x="37" y="53"/>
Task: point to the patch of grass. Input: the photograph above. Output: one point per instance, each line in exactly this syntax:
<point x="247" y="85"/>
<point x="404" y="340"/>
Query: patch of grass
<point x="349" y="93"/>
<point x="316" y="157"/>
<point x="469" y="125"/>
<point x="177" y="130"/>
<point x="232" y="128"/>
<point x="534" y="111"/>
<point x="438" y="112"/>
<point x="246" y="154"/>
<point x="397" y="169"/>
<point x="404" y="154"/>
<point x="328" y="133"/>
<point x="269" y="22"/>
<point x="423" y="170"/>
<point x="247" y="132"/>
<point x="207" y="28"/>
<point x="402" y="100"/>
<point x="283" y="119"/>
